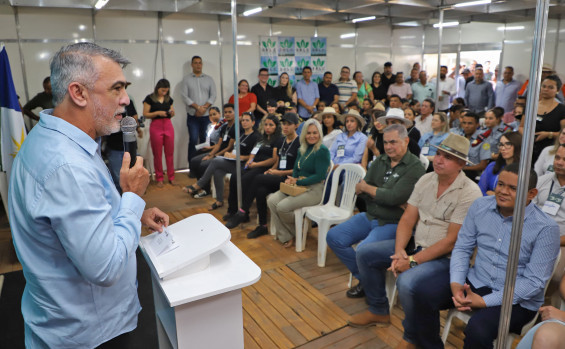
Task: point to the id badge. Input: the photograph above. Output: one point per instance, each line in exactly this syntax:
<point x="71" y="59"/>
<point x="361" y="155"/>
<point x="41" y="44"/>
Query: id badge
<point x="282" y="163"/>
<point x="233" y="151"/>
<point x="425" y="148"/>
<point x="225" y="137"/>
<point x="341" y="151"/>
<point x="255" y="150"/>
<point x="552" y="205"/>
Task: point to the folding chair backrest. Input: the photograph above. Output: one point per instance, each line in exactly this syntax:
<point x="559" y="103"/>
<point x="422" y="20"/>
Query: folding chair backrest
<point x="354" y="173"/>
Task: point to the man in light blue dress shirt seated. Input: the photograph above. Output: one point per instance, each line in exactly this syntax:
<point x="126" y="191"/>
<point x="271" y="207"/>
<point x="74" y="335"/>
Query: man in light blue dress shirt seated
<point x="74" y="235"/>
<point x="480" y="288"/>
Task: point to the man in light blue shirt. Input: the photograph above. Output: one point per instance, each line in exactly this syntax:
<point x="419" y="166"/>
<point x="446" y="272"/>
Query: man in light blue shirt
<point x="422" y="89"/>
<point x="307" y="93"/>
<point x="506" y="90"/>
<point x="74" y="235"/>
<point x="487" y="228"/>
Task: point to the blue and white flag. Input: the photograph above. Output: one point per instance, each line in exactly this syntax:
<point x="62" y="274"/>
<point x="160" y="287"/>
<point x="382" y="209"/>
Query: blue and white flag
<point x="12" y="129"/>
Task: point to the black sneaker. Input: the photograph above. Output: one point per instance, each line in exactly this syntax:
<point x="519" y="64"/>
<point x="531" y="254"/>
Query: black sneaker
<point x="237" y="219"/>
<point x="259" y="231"/>
<point x="355" y="292"/>
<point x="228" y="216"/>
<point x="201" y="194"/>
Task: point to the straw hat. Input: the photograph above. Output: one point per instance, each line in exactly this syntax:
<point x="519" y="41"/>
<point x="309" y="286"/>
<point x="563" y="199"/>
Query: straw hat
<point x="547" y="67"/>
<point x="329" y="111"/>
<point x="457" y="146"/>
<point x="379" y="106"/>
<point x="397" y="114"/>
<point x="355" y="114"/>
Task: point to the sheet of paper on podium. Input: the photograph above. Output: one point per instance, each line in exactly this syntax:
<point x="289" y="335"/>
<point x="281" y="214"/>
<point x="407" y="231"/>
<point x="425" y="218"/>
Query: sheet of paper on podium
<point x="196" y="237"/>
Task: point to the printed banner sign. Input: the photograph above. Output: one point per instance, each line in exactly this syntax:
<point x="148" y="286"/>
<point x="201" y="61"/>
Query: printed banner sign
<point x="289" y="54"/>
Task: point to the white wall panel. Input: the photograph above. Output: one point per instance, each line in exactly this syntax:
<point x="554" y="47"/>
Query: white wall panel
<point x="7" y="23"/>
<point x="126" y="25"/>
<point x="48" y="23"/>
<point x="293" y="28"/>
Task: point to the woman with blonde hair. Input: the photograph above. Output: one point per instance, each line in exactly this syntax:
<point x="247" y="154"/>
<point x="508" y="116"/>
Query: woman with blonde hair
<point x="440" y="131"/>
<point x="310" y="170"/>
<point x="544" y="164"/>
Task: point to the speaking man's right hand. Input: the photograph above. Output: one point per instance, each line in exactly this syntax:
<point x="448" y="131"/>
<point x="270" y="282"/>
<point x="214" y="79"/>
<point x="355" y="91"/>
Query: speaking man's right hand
<point x="133" y="179"/>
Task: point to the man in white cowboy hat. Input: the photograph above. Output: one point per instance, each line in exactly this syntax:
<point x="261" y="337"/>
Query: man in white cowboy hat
<point x="396" y="116"/>
<point x="387" y="185"/>
<point x="436" y="210"/>
<point x="331" y="122"/>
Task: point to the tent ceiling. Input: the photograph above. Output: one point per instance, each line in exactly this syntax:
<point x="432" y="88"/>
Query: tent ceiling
<point x="328" y="11"/>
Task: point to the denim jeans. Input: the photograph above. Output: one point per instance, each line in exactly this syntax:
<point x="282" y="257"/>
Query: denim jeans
<point x="422" y="290"/>
<point x="197" y="126"/>
<point x="358" y="228"/>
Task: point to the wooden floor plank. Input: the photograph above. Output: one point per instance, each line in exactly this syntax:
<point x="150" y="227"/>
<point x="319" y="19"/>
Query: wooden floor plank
<point x="256" y="333"/>
<point x="281" y="306"/>
<point x="335" y="337"/>
<point x="266" y="325"/>
<point x="248" y="341"/>
<point x="276" y="318"/>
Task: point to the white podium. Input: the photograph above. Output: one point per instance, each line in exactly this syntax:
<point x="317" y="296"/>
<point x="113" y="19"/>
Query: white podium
<point x="197" y="286"/>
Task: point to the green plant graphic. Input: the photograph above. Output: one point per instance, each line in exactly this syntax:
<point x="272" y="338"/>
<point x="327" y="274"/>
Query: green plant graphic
<point x="269" y="44"/>
<point x="272" y="82"/>
<point x="287" y="63"/>
<point x="318" y="44"/>
<point x="318" y="79"/>
<point x="286" y="44"/>
<point x="269" y="63"/>
<point x="302" y="44"/>
<point x="318" y="63"/>
<point x="302" y="63"/>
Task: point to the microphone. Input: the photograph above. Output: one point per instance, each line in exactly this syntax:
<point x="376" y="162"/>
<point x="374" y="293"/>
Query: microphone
<point x="128" y="126"/>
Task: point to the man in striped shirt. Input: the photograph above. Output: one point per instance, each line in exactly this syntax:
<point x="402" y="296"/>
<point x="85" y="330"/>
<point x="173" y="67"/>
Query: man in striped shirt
<point x="347" y="88"/>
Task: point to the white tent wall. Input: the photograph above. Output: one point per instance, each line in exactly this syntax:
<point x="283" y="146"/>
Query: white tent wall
<point x="135" y="33"/>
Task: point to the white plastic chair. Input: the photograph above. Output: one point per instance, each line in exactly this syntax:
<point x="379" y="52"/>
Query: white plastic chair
<point x="330" y="214"/>
<point x="425" y="161"/>
<point x="465" y="316"/>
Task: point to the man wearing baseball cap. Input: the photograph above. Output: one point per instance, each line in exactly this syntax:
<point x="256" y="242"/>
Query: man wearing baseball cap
<point x="436" y="210"/>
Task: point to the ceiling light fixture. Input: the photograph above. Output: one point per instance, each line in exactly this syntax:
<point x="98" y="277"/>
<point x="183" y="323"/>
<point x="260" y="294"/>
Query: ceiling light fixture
<point x="363" y="19"/>
<point x="516" y="27"/>
<point x="188" y="31"/>
<point x="473" y="3"/>
<point x="446" y="24"/>
<point x="347" y="36"/>
<point x="252" y="11"/>
<point x="100" y="3"/>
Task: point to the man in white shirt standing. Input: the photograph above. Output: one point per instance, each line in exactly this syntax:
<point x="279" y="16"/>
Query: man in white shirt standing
<point x="446" y="90"/>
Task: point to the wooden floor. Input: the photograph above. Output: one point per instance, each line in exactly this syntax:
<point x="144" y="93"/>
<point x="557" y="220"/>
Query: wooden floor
<point x="296" y="304"/>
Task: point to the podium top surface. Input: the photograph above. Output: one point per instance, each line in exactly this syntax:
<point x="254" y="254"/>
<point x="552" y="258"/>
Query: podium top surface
<point x="230" y="269"/>
<point x="197" y="236"/>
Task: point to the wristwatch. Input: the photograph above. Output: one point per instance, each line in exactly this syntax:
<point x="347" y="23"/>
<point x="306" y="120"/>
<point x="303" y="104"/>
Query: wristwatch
<point x="550" y="135"/>
<point x="413" y="262"/>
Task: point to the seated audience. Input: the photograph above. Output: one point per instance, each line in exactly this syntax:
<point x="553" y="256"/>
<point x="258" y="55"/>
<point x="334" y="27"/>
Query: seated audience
<point x="413" y="132"/>
<point x="212" y="131"/>
<point x="495" y="129"/>
<point x="220" y="166"/>
<point x="545" y="160"/>
<point x="269" y="181"/>
<point x="395" y="101"/>
<point x="263" y="157"/>
<point x="455" y="112"/>
<point x="551" y="188"/>
<point x="386" y="187"/>
<point x="480" y="288"/>
<point x="436" y="209"/>
<point x="423" y="122"/>
<point x="396" y="116"/>
<point x="247" y="100"/>
<point x="440" y="131"/>
<point x="284" y="91"/>
<point x="510" y="146"/>
<point x="331" y="125"/>
<point x="310" y="170"/>
<point x="367" y="111"/>
<point x="415" y="106"/>
<point x="199" y="163"/>
<point x="158" y="107"/>
<point x="551" y="332"/>
<point x="348" y="146"/>
<point x="479" y="155"/>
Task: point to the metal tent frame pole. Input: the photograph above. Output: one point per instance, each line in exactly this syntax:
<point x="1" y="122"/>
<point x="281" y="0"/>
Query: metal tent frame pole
<point x="439" y="43"/>
<point x="542" y="10"/>
<point x="236" y="99"/>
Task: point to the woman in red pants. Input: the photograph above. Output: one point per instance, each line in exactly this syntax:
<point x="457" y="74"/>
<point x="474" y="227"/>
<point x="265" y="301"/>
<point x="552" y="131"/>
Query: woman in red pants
<point x="158" y="107"/>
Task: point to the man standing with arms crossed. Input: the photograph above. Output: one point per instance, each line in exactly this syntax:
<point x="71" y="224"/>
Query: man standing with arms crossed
<point x="198" y="93"/>
<point x="73" y="233"/>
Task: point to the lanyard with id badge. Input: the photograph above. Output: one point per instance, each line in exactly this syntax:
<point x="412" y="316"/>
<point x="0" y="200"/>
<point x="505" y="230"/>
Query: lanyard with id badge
<point x="426" y="148"/>
<point x="553" y="202"/>
<point x="282" y="161"/>
<point x="341" y="151"/>
<point x="256" y="149"/>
